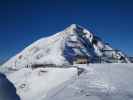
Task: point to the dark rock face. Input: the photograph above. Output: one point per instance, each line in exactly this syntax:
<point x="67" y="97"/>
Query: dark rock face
<point x="91" y="48"/>
<point x="7" y="89"/>
<point x="79" y="45"/>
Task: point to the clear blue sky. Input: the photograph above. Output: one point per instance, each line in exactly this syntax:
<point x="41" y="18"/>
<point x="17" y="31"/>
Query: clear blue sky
<point x="24" y="21"/>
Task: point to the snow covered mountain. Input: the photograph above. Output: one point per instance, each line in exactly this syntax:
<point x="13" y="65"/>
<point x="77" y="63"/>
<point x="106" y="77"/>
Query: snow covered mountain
<point x="73" y="45"/>
<point x="56" y="68"/>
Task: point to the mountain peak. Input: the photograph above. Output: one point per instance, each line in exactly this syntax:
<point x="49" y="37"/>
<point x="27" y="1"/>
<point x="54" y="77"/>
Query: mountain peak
<point x="75" y="26"/>
<point x="73" y="45"/>
<point x="75" y="29"/>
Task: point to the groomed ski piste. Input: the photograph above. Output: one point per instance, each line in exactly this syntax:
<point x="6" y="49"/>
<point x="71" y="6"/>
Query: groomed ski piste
<point x="73" y="64"/>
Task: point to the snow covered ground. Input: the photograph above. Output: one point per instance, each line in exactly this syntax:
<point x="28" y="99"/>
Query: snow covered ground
<point x="34" y="84"/>
<point x="97" y="82"/>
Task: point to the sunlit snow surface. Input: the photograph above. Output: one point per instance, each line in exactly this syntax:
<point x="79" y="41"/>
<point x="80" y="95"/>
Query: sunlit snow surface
<point x="98" y="82"/>
<point x="34" y="84"/>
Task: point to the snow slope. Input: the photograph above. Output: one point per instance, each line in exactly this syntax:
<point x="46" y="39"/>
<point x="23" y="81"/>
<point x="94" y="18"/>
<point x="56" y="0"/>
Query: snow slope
<point x="98" y="82"/>
<point x="34" y="84"/>
<point x="63" y="48"/>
